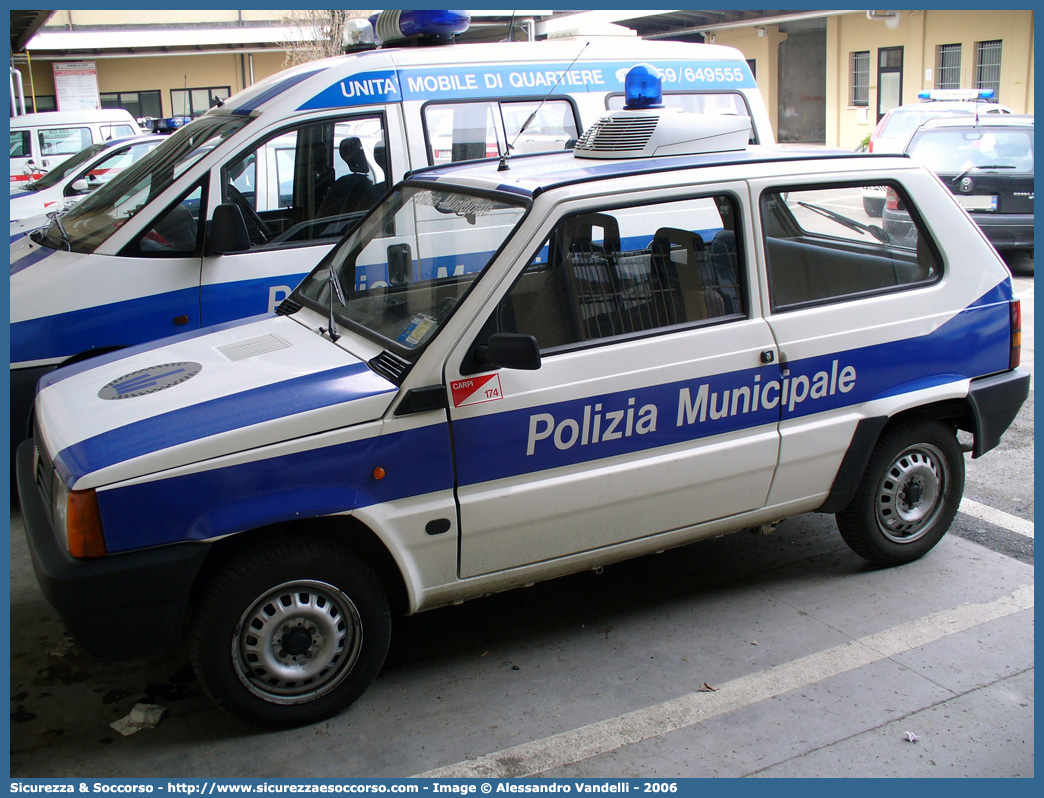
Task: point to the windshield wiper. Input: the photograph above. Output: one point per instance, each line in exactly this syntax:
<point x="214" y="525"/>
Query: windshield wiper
<point x="57" y="217"/>
<point x="977" y="168"/>
<point x="851" y="224"/>
<point x="338" y="292"/>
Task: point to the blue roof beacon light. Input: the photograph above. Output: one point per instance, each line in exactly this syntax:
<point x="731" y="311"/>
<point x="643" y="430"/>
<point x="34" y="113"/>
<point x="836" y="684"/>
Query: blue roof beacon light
<point x="642" y="88"/>
<point x="956" y="94"/>
<point x="423" y="24"/>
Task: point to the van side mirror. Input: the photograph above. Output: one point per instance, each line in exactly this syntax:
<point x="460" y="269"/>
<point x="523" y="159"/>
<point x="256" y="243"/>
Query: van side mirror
<point x="510" y="351"/>
<point x="227" y="231"/>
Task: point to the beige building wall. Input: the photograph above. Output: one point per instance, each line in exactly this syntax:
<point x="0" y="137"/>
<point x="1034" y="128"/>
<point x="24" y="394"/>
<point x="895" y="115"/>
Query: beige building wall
<point x="918" y="33"/>
<point x="163" y="73"/>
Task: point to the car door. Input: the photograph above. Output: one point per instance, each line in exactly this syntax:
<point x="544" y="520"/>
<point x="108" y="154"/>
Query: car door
<point x="299" y="189"/>
<point x="645" y="414"/>
<point x="850" y="307"/>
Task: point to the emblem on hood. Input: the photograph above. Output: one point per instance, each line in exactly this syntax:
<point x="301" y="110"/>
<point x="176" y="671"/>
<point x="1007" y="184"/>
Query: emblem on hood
<point x="150" y="380"/>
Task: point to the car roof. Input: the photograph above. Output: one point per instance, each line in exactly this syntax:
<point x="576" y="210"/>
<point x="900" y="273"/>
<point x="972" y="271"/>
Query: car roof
<point x="530" y="175"/>
<point x="964" y="121"/>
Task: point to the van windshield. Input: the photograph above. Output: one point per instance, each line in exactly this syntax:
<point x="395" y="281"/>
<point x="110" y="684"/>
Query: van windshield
<point x="98" y="216"/>
<point x="399" y="275"/>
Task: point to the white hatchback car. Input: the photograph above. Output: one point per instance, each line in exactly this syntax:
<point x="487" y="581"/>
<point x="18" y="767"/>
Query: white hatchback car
<point x="516" y="369"/>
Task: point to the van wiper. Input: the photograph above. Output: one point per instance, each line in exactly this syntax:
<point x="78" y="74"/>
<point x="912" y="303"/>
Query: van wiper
<point x="851" y="224"/>
<point x="957" y="179"/>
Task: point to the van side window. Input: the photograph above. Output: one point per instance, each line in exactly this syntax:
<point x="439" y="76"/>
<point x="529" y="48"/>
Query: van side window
<point x="820" y="246"/>
<point x="630" y="271"/>
<point x="466" y="131"/>
<point x="64" y="140"/>
<point x="309" y="183"/>
<point x="20" y="144"/>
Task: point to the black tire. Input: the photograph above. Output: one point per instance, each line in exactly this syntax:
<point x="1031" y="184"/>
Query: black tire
<point x="908" y="495"/>
<point x="873" y="206"/>
<point x="290" y="632"/>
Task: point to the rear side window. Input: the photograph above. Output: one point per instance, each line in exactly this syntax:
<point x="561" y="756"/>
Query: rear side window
<point x="20" y="144"/>
<point x="820" y="246"/>
<point x="64" y="140"/>
<point x="630" y="270"/>
<point x="469" y="131"/>
<point x="117" y="132"/>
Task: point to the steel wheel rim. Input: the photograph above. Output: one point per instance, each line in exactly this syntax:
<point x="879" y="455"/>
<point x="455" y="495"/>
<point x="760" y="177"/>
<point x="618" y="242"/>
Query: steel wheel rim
<point x="910" y="493"/>
<point x="297" y="642"/>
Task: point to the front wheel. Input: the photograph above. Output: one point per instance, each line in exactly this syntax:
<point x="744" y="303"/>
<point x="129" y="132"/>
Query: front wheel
<point x="290" y="633"/>
<point x="908" y="495"/>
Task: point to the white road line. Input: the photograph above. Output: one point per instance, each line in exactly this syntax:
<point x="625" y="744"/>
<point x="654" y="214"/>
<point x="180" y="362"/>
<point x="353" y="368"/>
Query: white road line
<point x="997" y="517"/>
<point x="608" y="735"/>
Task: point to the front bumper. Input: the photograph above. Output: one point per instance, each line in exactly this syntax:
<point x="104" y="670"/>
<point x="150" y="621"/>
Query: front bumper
<point x="117" y="606"/>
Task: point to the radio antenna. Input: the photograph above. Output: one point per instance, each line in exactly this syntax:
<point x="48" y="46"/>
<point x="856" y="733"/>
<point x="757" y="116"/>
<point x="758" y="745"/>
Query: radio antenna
<point x="507" y="154"/>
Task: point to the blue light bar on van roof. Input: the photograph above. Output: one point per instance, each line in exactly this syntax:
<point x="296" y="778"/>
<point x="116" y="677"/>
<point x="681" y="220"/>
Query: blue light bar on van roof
<point x="956" y="94"/>
<point x="393" y="26"/>
<point x="642" y="88"/>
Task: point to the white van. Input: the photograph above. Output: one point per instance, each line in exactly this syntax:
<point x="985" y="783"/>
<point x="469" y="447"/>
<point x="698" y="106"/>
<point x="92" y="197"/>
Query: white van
<point x="42" y="141"/>
<point x="226" y="217"/>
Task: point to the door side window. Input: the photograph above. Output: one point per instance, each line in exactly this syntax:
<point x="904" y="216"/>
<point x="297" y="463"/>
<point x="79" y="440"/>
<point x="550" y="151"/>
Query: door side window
<point x="175" y="233"/>
<point x="309" y="183"/>
<point x="20" y="144"/>
<point x="820" y="246"/>
<point x="630" y="271"/>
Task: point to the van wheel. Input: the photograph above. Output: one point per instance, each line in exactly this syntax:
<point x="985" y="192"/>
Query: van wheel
<point x="908" y="496"/>
<point x="290" y="633"/>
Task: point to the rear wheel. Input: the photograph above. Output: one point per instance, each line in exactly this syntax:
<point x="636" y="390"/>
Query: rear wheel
<point x="908" y="496"/>
<point x="290" y="633"/>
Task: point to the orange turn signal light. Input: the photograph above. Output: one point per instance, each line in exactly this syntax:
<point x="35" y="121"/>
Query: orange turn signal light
<point x="83" y="525"/>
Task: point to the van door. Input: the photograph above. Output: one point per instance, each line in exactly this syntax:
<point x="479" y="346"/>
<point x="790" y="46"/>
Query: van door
<point x="299" y="189"/>
<point x="646" y="413"/>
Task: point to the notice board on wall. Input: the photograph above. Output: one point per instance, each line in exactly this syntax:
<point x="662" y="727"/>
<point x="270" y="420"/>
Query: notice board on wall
<point x="76" y="85"/>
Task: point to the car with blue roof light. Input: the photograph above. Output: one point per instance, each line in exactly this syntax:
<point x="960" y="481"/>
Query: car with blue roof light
<point x="515" y="369"/>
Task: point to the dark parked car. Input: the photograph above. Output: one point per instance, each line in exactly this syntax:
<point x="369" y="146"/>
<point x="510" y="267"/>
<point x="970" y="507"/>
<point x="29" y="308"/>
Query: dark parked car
<point x="987" y="163"/>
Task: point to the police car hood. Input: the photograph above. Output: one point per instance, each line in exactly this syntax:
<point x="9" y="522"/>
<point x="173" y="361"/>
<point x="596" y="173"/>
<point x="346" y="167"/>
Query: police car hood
<point x="183" y="400"/>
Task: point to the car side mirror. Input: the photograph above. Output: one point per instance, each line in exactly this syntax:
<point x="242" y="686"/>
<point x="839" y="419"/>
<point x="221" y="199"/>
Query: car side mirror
<point x="81" y="186"/>
<point x="510" y="351"/>
<point x="227" y="231"/>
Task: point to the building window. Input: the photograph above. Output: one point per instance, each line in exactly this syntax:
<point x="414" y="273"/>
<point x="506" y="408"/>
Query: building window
<point x="196" y="102"/>
<point x="859" y="94"/>
<point x="948" y="66"/>
<point x="889" y="79"/>
<point x="45" y="102"/>
<point x="140" y="104"/>
<point x="987" y="66"/>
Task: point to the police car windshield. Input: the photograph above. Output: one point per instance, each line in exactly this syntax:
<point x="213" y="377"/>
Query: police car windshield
<point x="400" y="273"/>
<point x="98" y="216"/>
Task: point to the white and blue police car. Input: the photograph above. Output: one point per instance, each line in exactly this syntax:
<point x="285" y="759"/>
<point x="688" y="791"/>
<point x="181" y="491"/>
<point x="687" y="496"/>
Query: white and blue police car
<point x="516" y="369"/>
